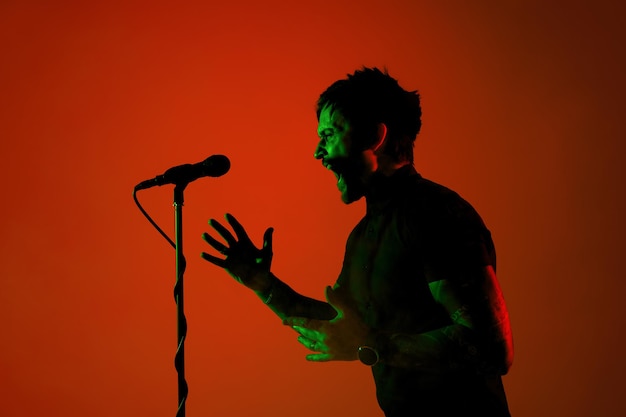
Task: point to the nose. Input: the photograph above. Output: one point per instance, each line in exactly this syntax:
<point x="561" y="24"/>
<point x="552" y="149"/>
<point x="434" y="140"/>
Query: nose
<point x="320" y="151"/>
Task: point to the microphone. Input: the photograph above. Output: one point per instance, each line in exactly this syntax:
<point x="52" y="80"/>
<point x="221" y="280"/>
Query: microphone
<point x="213" y="166"/>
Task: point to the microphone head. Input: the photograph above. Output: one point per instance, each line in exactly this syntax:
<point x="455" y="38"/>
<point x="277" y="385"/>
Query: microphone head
<point x="216" y="165"/>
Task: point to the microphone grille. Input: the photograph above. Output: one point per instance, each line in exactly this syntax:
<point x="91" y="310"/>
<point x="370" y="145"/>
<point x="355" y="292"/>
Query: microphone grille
<point x="216" y="165"/>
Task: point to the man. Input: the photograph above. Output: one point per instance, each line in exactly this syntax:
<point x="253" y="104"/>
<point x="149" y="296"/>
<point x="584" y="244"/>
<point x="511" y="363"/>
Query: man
<point x="417" y="298"/>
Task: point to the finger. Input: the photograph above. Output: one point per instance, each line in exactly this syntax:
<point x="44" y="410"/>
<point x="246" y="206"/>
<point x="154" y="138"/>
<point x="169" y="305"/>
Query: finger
<point x="267" y="238"/>
<point x="308" y="333"/>
<point x="310" y="344"/>
<point x="319" y="357"/>
<point x="237" y="227"/>
<point x="335" y="300"/>
<point x="302" y="322"/>
<point x="219" y="246"/>
<point x="216" y="261"/>
<point x="228" y="237"/>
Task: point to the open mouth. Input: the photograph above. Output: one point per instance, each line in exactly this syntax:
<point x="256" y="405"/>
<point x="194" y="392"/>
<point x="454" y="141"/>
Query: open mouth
<point x="337" y="172"/>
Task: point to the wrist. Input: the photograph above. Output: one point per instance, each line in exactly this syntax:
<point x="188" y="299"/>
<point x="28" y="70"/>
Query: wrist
<point x="373" y="350"/>
<point x="266" y="293"/>
<point x="368" y="355"/>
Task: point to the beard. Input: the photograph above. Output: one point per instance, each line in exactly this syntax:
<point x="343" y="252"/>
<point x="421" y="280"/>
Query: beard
<point x="351" y="188"/>
<point x="349" y="172"/>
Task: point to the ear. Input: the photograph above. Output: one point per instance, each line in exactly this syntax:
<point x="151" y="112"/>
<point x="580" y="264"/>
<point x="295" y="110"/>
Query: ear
<point x="381" y="135"/>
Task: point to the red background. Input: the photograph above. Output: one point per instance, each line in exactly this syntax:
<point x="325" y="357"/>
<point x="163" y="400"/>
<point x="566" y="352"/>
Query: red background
<point x="523" y="116"/>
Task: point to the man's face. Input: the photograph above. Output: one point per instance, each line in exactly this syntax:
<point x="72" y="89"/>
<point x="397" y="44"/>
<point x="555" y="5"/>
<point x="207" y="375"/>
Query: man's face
<point x="339" y="154"/>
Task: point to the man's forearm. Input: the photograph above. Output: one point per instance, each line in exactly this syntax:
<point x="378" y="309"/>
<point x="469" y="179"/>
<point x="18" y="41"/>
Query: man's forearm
<point x="286" y="302"/>
<point x="453" y="347"/>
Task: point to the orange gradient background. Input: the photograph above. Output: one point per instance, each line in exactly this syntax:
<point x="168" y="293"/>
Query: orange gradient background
<point x="523" y="115"/>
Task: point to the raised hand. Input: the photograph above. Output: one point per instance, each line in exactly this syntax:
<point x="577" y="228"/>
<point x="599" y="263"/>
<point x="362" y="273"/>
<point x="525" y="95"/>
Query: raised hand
<point x="245" y="262"/>
<point x="332" y="340"/>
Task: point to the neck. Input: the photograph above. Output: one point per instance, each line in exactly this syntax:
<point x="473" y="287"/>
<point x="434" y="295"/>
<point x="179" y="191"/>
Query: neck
<point x="387" y="166"/>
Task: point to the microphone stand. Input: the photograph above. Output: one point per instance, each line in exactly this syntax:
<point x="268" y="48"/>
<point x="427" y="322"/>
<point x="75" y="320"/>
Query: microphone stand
<point x="181" y="176"/>
<point x="179" y="361"/>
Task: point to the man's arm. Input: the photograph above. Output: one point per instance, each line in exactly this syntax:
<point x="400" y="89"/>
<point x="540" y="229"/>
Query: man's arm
<point x="286" y="302"/>
<point x="479" y="335"/>
<point x="250" y="266"/>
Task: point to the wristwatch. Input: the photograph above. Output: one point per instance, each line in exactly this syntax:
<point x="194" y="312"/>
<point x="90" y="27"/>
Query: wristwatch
<point x="368" y="355"/>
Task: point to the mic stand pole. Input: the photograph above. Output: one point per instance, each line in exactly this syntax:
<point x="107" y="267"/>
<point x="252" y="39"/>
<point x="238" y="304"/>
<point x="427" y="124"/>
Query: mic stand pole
<point x="179" y="360"/>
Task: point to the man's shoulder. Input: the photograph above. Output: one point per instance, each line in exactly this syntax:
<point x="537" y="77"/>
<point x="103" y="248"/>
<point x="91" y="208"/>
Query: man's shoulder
<point x="429" y="191"/>
<point x="438" y="201"/>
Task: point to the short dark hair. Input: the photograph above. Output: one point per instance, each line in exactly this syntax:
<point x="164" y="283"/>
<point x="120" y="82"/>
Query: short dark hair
<point x="369" y="97"/>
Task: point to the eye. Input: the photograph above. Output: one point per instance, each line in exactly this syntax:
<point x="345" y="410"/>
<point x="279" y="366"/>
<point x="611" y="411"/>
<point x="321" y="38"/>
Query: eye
<point x="326" y="136"/>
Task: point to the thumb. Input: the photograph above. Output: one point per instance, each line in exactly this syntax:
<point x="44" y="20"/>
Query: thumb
<point x="335" y="300"/>
<point x="267" y="238"/>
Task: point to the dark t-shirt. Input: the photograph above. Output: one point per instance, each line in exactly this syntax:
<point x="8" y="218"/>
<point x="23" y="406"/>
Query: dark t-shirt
<point x="416" y="232"/>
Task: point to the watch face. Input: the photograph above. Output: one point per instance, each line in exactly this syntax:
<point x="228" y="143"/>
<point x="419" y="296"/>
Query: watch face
<point x="368" y="355"/>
